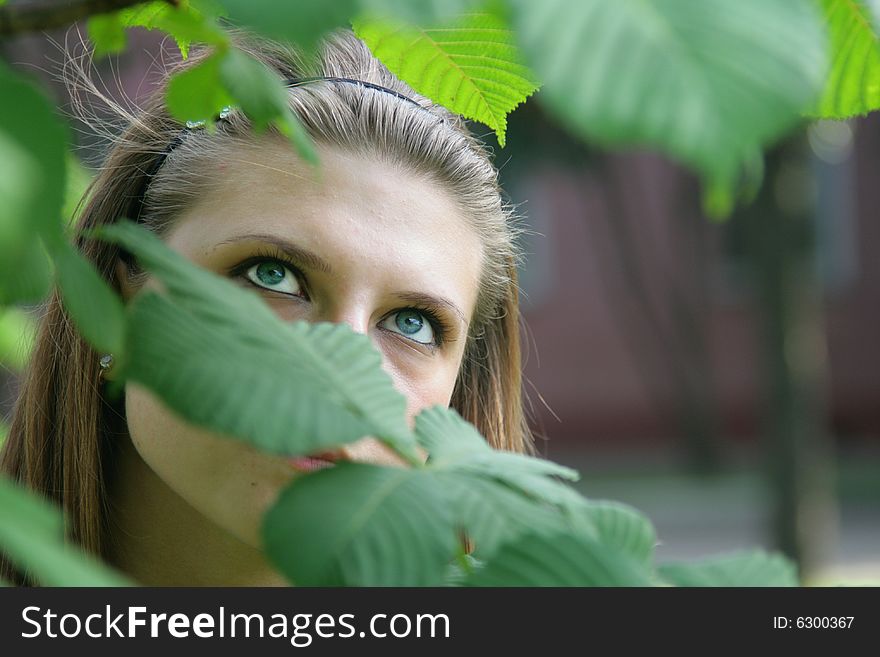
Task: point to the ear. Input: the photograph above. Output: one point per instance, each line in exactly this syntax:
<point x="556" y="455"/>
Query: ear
<point x="123" y="277"/>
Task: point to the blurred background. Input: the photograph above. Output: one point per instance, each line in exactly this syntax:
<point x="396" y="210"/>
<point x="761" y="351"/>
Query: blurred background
<point x="722" y="377"/>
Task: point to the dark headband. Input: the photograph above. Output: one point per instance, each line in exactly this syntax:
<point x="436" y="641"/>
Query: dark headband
<point x="157" y="163"/>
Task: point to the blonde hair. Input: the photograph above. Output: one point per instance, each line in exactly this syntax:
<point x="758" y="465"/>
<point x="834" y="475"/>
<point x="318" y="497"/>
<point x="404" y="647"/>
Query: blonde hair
<point x="63" y="430"/>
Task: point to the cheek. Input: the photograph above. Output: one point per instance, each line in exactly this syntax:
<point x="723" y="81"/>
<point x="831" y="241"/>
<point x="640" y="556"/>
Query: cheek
<point x="423" y="385"/>
<point x="225" y="480"/>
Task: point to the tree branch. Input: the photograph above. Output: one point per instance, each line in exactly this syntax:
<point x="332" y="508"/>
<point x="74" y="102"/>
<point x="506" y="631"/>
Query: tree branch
<point x="47" y="14"/>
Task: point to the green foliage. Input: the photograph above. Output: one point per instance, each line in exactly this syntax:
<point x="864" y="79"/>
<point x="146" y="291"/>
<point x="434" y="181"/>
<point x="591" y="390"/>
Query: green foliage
<point x="469" y="452"/>
<point x="264" y="99"/>
<point x="493" y="514"/>
<point x="422" y="12"/>
<point x="395" y="530"/>
<point x="17" y="330"/>
<point x="19" y="186"/>
<point x="625" y="529"/>
<point x="302" y="22"/>
<point x="402" y="526"/>
<point x="470" y="66"/>
<point x="188" y="21"/>
<point x="218" y="355"/>
<point x="502" y="500"/>
<point x="306" y="21"/>
<point x="32" y="535"/>
<point x="750" y="569"/>
<point x="496" y="496"/>
<point x="78" y="180"/>
<point x="198" y="93"/>
<point x="560" y="559"/>
<point x="33" y="167"/>
<point x="707" y="82"/>
<point x="852" y="86"/>
<point x="30" y="280"/>
<point x="94" y="307"/>
<point x="32" y="178"/>
<point x="107" y="32"/>
<point x="231" y="77"/>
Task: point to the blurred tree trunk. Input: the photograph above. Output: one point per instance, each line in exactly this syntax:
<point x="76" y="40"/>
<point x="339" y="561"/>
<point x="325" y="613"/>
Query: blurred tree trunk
<point x="667" y="334"/>
<point x="798" y="449"/>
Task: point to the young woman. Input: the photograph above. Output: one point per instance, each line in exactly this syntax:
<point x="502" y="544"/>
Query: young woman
<point x="401" y="232"/>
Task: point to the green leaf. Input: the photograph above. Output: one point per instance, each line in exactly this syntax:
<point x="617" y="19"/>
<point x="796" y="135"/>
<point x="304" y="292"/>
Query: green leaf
<point x="4" y="432"/>
<point x="17" y="332"/>
<point x="188" y="22"/>
<point x="94" y="307"/>
<point x="27" y="278"/>
<point x="107" y="32"/>
<point x="264" y="98"/>
<point x="491" y="513"/>
<point x="217" y="354"/>
<point x="78" y="180"/>
<point x="20" y="183"/>
<point x="495" y="496"/>
<point x="281" y="398"/>
<point x="559" y="560"/>
<point x="370" y="536"/>
<point x="290" y="126"/>
<point x="32" y="535"/>
<point x="256" y="89"/>
<point x="211" y="8"/>
<point x="470" y="66"/>
<point x="32" y="178"/>
<point x="623" y="528"/>
<point x="853" y="84"/>
<point x="361" y="525"/>
<point x="146" y="14"/>
<point x="302" y="22"/>
<point x="706" y="82"/>
<point x="455" y="445"/>
<point x="198" y="93"/>
<point x="756" y="568"/>
<point x="423" y="12"/>
<point x="462" y="568"/>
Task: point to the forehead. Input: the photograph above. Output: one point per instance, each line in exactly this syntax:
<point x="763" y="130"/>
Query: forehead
<point x="377" y="220"/>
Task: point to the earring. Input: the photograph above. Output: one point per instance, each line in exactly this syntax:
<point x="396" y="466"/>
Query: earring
<point x="106" y="362"/>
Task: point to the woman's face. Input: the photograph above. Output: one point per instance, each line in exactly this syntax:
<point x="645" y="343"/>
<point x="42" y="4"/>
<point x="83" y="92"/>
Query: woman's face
<point x="358" y="241"/>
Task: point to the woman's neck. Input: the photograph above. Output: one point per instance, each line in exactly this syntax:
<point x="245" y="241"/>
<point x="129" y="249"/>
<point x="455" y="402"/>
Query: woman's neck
<point x="158" y="539"/>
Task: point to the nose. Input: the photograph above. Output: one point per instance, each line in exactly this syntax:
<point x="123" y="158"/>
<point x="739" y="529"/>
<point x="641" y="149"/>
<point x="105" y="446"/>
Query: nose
<point x="355" y="314"/>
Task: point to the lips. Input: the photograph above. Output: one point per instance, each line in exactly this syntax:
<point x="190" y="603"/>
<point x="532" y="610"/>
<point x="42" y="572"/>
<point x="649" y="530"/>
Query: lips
<point x="316" y="461"/>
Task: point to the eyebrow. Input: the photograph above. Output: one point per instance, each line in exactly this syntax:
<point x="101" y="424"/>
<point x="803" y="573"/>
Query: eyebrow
<point x="297" y="253"/>
<point x="312" y="260"/>
<point x="431" y="300"/>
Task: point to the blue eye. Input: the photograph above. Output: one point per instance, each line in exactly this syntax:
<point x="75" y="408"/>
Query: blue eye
<point x="272" y="275"/>
<point x="411" y="324"/>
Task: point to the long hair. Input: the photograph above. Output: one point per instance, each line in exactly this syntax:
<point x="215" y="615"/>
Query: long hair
<point x="64" y="428"/>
